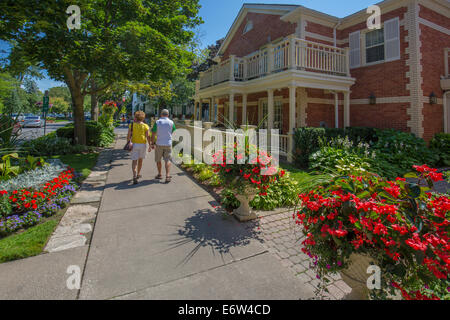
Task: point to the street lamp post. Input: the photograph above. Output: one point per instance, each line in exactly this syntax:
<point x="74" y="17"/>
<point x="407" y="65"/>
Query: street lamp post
<point x="45" y="106"/>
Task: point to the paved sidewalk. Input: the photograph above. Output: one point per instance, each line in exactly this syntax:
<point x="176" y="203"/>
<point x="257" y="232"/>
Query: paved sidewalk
<point x="171" y="241"/>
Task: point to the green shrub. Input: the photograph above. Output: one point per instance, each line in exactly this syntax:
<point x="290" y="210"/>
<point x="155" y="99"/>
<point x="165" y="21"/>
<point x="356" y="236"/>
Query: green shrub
<point x="281" y="194"/>
<point x="228" y="200"/>
<point x="51" y="145"/>
<point x="306" y="143"/>
<point x="97" y="134"/>
<point x="397" y="152"/>
<point x="441" y="146"/>
<point x="5" y="207"/>
<point x="205" y="174"/>
<point x="308" y="140"/>
<point x="342" y="161"/>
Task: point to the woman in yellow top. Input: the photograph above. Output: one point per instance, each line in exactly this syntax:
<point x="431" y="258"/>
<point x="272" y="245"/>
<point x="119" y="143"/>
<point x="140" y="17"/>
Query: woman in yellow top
<point x="139" y="140"/>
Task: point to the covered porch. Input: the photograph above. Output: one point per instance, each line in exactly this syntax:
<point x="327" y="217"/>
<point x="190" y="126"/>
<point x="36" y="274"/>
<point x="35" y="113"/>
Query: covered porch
<point x="280" y="104"/>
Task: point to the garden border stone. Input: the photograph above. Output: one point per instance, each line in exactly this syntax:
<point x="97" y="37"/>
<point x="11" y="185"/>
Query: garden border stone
<point x="77" y="224"/>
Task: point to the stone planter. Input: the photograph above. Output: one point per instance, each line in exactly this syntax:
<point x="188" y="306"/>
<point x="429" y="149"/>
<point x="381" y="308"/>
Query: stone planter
<point x="244" y="212"/>
<point x="187" y="122"/>
<point x="356" y="276"/>
<point x="207" y="125"/>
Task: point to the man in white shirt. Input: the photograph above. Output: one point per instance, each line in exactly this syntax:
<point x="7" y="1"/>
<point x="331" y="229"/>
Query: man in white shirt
<point x="162" y="138"/>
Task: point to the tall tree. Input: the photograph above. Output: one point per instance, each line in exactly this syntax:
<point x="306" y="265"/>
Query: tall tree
<point x="204" y="59"/>
<point x="118" y="40"/>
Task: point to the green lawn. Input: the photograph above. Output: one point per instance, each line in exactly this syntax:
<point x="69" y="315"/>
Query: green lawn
<point x="29" y="243"/>
<point x="32" y="241"/>
<point x="82" y="163"/>
<point x="307" y="181"/>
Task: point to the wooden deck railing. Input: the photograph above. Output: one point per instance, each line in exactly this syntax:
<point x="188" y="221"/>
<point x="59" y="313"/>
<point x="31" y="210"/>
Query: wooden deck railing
<point x="291" y="53"/>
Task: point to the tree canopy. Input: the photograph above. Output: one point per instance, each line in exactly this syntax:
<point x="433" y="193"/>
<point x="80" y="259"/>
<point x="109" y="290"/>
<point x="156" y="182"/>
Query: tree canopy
<point x="118" y="40"/>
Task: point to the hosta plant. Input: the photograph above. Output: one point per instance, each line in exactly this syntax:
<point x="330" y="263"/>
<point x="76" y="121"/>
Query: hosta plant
<point x="397" y="223"/>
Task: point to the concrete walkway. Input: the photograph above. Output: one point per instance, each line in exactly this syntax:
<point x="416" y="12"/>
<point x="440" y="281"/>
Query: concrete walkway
<point x="170" y="241"/>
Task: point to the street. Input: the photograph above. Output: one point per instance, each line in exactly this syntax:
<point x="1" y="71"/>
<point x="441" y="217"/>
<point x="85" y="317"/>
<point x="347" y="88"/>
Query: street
<point x="33" y="133"/>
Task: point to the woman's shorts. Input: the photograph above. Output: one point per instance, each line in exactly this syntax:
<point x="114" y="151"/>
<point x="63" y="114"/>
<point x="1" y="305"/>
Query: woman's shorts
<point x="139" y="151"/>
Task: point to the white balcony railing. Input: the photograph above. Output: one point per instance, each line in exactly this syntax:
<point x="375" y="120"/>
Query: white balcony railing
<point x="291" y="53"/>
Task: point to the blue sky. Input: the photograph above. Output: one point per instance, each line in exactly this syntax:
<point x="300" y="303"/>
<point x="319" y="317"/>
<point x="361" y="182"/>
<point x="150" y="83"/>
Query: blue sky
<point x="218" y="16"/>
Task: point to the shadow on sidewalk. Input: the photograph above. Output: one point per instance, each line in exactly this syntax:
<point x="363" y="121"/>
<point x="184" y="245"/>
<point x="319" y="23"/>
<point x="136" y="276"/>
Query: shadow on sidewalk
<point x="128" y="184"/>
<point x="208" y="228"/>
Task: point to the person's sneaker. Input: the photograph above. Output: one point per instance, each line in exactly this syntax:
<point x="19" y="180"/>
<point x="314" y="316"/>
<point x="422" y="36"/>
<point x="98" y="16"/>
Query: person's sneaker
<point x="135" y="181"/>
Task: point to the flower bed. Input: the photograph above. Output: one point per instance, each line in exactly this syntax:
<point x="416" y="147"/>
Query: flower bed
<point x="401" y="225"/>
<point x="28" y="206"/>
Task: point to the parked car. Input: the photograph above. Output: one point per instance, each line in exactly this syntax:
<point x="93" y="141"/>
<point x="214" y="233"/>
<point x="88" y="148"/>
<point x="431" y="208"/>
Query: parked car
<point x="32" y="121"/>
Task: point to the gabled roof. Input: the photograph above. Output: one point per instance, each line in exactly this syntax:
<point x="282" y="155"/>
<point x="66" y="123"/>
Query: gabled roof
<point x="279" y="9"/>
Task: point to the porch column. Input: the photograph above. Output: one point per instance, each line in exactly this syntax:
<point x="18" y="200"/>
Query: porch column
<point x="292" y="107"/>
<point x="195" y="109"/>
<point x="336" y="110"/>
<point x="346" y="109"/>
<point x="270" y="58"/>
<point x="270" y="113"/>
<point x="212" y="109"/>
<point x="244" y="108"/>
<point x="292" y="53"/>
<point x="231" y="108"/>
<point x="232" y="61"/>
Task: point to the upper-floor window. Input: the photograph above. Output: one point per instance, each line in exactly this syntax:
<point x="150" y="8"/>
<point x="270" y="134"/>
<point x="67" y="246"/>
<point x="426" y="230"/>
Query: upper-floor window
<point x="381" y="45"/>
<point x="375" y="46"/>
<point x="248" y="26"/>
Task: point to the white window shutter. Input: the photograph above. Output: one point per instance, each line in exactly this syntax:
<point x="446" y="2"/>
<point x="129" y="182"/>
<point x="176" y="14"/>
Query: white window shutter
<point x="392" y="39"/>
<point x="355" y="49"/>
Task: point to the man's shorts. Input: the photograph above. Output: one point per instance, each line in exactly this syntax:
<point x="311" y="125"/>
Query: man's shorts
<point x="139" y="151"/>
<point x="163" y="152"/>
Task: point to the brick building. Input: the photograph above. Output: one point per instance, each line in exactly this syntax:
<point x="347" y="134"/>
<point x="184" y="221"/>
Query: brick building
<point x="295" y="67"/>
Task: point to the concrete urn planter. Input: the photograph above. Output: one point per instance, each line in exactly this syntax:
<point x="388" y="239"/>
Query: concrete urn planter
<point x="244" y="212"/>
<point x="248" y="127"/>
<point x="187" y="122"/>
<point x="356" y="276"/>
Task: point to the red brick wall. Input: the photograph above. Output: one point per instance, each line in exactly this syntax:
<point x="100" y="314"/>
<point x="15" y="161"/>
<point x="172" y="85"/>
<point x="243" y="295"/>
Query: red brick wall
<point x="434" y="17"/>
<point x="433" y="62"/>
<point x="264" y="26"/>
<point x="319" y="29"/>
<point x="316" y="113"/>
<point x="433" y="120"/>
<point x="382" y="116"/>
<point x="384" y="79"/>
<point x="252" y="115"/>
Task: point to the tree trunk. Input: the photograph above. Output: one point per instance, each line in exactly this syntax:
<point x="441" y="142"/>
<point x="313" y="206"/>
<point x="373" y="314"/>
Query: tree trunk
<point x="94" y="107"/>
<point x="78" y="114"/>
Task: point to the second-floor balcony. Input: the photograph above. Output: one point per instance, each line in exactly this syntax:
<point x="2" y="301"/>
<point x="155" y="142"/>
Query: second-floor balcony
<point x="289" y="54"/>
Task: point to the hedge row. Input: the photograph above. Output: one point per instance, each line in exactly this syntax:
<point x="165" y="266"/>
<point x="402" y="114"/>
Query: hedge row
<point x="96" y="134"/>
<point x="307" y="140"/>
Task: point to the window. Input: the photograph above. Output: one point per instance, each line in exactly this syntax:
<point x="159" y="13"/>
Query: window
<point x="278" y="115"/>
<point x="248" y="27"/>
<point x="375" y="46"/>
